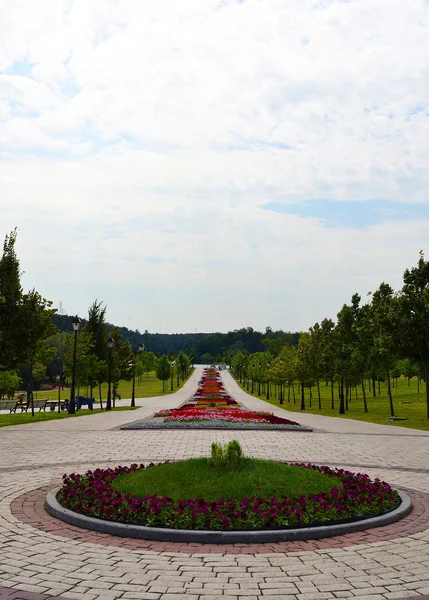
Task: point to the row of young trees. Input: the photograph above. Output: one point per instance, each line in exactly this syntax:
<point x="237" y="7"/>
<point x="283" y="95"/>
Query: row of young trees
<point x="380" y="339"/>
<point x="31" y="348"/>
<point x="93" y="355"/>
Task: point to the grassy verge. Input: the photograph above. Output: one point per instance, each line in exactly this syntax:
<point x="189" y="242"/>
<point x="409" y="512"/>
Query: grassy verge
<point x="145" y="387"/>
<point x="196" y="478"/>
<point x="21" y="418"/>
<point x="409" y="403"/>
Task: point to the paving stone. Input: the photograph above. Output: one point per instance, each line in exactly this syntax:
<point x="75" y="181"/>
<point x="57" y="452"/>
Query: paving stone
<point x="56" y="558"/>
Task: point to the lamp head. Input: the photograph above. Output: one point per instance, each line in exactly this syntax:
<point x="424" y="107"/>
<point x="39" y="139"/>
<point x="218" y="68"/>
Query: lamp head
<point x="76" y="323"/>
<point x="110" y="342"/>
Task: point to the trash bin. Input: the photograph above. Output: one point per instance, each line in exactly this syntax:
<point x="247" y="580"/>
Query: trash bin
<point x="52" y="406"/>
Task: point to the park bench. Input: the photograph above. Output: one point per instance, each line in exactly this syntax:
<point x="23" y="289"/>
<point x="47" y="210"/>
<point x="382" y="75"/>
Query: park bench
<point x="12" y="405"/>
<point x="84" y="401"/>
<point x="40" y="404"/>
<point x="64" y="404"/>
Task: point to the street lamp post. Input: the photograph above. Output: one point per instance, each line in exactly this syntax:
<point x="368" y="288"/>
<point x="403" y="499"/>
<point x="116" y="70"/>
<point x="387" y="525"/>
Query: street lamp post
<point x="140" y="348"/>
<point x="110" y="343"/>
<point x="76" y="326"/>
<point x="259" y="379"/>
<point x="268" y="380"/>
<point x="60" y="381"/>
<point x="252" y="375"/>
<point x="281" y="383"/>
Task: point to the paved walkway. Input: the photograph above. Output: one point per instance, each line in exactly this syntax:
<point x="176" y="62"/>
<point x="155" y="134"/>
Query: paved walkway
<point x="41" y="557"/>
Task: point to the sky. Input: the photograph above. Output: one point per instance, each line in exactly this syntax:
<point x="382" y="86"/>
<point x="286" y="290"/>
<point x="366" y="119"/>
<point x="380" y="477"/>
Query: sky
<point x="207" y="165"/>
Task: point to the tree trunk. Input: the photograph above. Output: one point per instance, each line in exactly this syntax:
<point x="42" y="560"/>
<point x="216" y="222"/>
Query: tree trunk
<point x="332" y="395"/>
<point x="379" y="389"/>
<point x="99" y="393"/>
<point x="389" y="392"/>
<point x="318" y="395"/>
<point x="347" y="395"/>
<point x="373" y="388"/>
<point x="293" y="393"/>
<point x="427" y="389"/>
<point x="311" y="394"/>
<point x="365" y="406"/>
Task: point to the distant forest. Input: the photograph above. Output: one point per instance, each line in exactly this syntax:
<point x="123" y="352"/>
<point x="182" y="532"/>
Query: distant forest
<point x="218" y="345"/>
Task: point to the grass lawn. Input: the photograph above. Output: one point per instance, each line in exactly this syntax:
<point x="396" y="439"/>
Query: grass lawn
<point x="408" y="403"/>
<point x="196" y="478"/>
<point x="145" y="388"/>
<point x="21" y="418"/>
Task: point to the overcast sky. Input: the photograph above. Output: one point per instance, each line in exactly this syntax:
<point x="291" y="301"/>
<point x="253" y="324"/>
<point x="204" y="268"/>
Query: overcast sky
<point x="205" y="165"/>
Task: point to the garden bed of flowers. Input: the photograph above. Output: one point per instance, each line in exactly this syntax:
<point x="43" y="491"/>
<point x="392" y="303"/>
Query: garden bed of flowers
<point x="197" y="414"/>
<point x="212" y="407"/>
<point x="94" y="495"/>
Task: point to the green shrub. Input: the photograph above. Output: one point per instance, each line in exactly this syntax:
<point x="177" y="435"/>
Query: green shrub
<point x="9" y="383"/>
<point x="230" y="455"/>
<point x="233" y="453"/>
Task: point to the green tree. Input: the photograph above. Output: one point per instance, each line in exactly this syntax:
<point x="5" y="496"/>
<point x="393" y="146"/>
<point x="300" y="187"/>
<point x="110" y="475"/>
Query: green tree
<point x="362" y="348"/>
<point x="328" y="355"/>
<point x="163" y="370"/>
<point x="25" y="319"/>
<point x="384" y="319"/>
<point x="122" y="359"/>
<point x="148" y="362"/>
<point x="207" y="358"/>
<point x="183" y="365"/>
<point x="412" y="324"/>
<point x="84" y="342"/>
<point x="97" y="366"/>
<point x="9" y="383"/>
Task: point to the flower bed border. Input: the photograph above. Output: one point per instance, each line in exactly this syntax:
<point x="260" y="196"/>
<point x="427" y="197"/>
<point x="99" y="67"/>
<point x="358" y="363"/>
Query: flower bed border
<point x="224" y="537"/>
<point x="153" y="424"/>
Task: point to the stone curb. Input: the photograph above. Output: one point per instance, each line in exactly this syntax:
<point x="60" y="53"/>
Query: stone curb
<point x="136" y="425"/>
<point x="222" y="537"/>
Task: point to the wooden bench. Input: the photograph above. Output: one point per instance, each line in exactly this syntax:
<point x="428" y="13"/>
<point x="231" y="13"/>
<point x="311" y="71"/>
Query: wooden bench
<point x="53" y="404"/>
<point x="40" y="404"/>
<point x="12" y="405"/>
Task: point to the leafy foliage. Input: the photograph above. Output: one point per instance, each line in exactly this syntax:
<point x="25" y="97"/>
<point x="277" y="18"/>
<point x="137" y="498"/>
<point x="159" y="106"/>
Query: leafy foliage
<point x="9" y="383"/>
<point x="25" y="319"/>
<point x="228" y="456"/>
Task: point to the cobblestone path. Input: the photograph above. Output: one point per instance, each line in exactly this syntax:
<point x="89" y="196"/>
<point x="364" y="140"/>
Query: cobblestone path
<point x="41" y="557"/>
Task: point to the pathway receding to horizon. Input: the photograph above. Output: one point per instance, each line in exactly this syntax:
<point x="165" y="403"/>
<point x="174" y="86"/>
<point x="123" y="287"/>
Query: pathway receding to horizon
<point x="42" y="557"/>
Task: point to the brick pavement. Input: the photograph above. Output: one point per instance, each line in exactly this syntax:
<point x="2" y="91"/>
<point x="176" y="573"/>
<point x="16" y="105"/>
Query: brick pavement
<point x="38" y="560"/>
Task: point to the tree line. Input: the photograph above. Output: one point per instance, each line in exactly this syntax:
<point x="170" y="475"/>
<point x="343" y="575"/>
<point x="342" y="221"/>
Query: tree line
<point x="380" y="339"/>
<point x="33" y="350"/>
<point x="200" y="347"/>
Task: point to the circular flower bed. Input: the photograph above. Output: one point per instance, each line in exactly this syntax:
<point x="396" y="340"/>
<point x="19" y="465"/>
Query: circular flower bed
<point x="93" y="494"/>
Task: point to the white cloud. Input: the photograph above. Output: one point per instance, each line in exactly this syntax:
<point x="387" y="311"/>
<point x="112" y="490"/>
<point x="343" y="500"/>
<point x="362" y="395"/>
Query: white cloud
<point x="141" y="140"/>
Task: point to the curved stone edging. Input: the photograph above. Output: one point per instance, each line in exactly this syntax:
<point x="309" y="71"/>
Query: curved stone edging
<point x="221" y="537"/>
